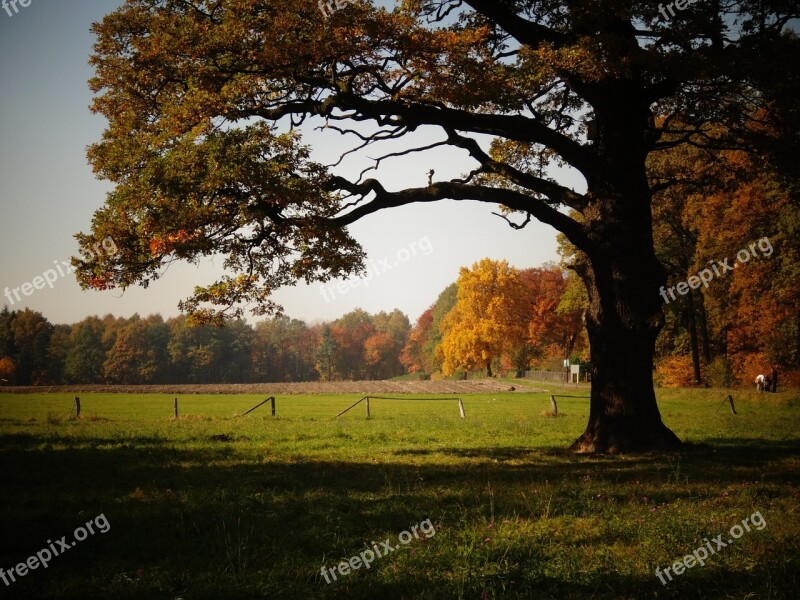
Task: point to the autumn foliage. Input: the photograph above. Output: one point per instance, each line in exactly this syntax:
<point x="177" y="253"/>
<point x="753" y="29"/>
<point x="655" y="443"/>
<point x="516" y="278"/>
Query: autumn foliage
<point x="487" y="320"/>
<point x="500" y="317"/>
<point x="722" y="203"/>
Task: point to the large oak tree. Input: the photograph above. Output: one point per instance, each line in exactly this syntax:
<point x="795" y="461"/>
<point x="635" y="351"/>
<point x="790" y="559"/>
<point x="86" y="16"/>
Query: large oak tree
<point x="200" y="94"/>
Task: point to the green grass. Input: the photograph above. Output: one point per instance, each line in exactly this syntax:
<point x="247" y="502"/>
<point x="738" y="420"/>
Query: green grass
<point x="216" y="506"/>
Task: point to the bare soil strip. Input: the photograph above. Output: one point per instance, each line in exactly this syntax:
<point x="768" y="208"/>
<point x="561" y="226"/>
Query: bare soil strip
<point x="311" y="387"/>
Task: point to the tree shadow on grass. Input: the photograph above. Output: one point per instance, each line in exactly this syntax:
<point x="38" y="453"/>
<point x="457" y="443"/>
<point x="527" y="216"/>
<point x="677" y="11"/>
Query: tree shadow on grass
<point x="211" y="521"/>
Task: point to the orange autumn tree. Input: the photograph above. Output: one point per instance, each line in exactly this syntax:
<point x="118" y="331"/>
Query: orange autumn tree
<point x="753" y="311"/>
<point x="553" y="329"/>
<point x="718" y="204"/>
<point x="7" y="369"/>
<point x="381" y="355"/>
<point x="486" y="321"/>
<point x="422" y="351"/>
<point x="350" y="333"/>
<point x="413" y="355"/>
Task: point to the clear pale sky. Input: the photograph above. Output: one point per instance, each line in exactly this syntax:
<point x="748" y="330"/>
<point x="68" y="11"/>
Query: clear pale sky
<point x="48" y="193"/>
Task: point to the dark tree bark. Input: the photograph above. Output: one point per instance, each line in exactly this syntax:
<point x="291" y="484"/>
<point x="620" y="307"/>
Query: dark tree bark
<point x="622" y="276"/>
<point x="623" y="322"/>
<point x="703" y="322"/>
<point x="692" y="325"/>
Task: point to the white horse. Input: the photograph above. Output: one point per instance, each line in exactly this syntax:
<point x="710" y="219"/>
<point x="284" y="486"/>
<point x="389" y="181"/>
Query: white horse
<point x="761" y="381"/>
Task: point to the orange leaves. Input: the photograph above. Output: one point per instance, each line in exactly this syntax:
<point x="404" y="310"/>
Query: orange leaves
<point x="413" y="357"/>
<point x="7" y="368"/>
<point x="100" y="283"/>
<point x="158" y="247"/>
<point x="545" y="288"/>
<point x="729" y="205"/>
<point x="379" y="349"/>
<point x="675" y="371"/>
<point x="747" y="365"/>
<point x="502" y="312"/>
<point x="757" y="298"/>
<point x="486" y="321"/>
<point x="162" y="246"/>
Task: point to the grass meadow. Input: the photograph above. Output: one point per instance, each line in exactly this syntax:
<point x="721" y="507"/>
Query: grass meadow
<point x="212" y="505"/>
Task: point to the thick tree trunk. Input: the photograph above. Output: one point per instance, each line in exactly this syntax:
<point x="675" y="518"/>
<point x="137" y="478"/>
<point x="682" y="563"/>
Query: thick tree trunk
<point x="623" y="278"/>
<point x="489" y="368"/>
<point x="623" y="324"/>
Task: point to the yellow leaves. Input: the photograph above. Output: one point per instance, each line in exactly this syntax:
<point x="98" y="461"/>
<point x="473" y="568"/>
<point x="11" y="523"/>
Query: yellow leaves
<point x="675" y="371"/>
<point x="501" y="310"/>
<point x="486" y="320"/>
<point x="582" y="59"/>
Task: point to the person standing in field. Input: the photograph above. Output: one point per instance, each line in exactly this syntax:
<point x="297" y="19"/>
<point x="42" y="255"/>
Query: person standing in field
<point x="774" y="378"/>
<point x="760" y="383"/>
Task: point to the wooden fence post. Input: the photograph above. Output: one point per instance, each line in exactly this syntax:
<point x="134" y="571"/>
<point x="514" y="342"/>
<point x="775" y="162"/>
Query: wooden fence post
<point x="77" y="404"/>
<point x="273" y="405"/>
<point x="461" y="409"/>
<point x="351" y="406"/>
<point x="271" y="398"/>
<point x="553" y="405"/>
<point x="176" y="408"/>
<point x="368" y="407"/>
<point x="729" y="400"/>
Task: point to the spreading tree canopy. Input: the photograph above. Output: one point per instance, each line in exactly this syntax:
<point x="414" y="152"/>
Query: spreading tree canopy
<point x="204" y="99"/>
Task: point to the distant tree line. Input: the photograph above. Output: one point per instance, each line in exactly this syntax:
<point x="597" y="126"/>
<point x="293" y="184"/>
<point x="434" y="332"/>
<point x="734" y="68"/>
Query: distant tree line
<point x="499" y="318"/>
<point x="493" y="319"/>
<point x="151" y="350"/>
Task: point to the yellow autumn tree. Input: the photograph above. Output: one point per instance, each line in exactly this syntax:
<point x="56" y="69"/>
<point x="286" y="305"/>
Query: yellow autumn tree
<point x="488" y="318"/>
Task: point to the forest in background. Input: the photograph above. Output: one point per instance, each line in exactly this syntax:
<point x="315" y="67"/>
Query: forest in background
<point x="709" y="206"/>
<point x="356" y="346"/>
<point x="493" y="319"/>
